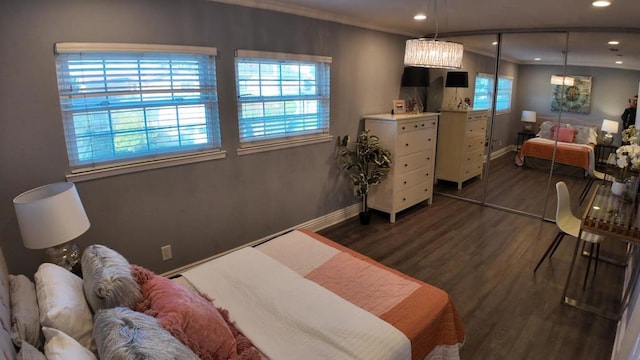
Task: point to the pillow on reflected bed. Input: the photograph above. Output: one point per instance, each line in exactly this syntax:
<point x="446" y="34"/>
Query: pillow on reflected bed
<point x="25" y="319"/>
<point x="124" y="334"/>
<point x="107" y="279"/>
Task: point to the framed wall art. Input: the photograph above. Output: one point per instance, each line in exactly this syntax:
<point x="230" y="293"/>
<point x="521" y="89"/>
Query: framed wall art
<point x="399" y="107"/>
<point x="572" y="98"/>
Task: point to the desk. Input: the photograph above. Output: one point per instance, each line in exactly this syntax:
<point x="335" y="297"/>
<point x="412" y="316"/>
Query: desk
<point x="606" y="214"/>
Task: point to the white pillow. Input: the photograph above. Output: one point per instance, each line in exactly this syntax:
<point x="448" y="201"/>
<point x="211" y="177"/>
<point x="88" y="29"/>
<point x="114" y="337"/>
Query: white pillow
<point x="25" y="322"/>
<point x="62" y="303"/>
<point x="60" y="346"/>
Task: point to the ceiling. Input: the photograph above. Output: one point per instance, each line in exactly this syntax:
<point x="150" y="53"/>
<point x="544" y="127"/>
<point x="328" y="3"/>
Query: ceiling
<point x="620" y="21"/>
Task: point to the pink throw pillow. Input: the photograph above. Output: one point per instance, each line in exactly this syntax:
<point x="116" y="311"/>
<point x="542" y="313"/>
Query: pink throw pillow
<point x="564" y="134"/>
<point x="190" y="317"/>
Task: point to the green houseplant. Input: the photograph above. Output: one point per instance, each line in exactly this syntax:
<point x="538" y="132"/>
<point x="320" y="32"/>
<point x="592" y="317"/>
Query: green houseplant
<point x="367" y="164"/>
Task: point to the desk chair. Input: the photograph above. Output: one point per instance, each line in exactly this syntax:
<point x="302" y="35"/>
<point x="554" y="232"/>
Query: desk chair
<point x="570" y="224"/>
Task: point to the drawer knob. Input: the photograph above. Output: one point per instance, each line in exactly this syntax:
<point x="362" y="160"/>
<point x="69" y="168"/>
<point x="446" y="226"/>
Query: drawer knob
<point x="415" y="126"/>
<point x="405" y="165"/>
<point x="429" y="139"/>
<point x="406" y="144"/>
<point x="404" y="199"/>
<point x="422" y="125"/>
<point x="404" y="182"/>
<point x="403" y="128"/>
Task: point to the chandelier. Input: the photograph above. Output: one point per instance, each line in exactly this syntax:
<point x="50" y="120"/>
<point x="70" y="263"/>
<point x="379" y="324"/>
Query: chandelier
<point x="433" y="53"/>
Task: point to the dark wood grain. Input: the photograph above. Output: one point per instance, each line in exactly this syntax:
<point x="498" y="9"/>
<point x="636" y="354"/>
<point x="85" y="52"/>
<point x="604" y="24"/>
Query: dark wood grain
<point x="484" y="258"/>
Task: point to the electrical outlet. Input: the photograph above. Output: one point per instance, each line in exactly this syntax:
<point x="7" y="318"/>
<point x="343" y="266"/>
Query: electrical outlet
<point x="166" y="252"/>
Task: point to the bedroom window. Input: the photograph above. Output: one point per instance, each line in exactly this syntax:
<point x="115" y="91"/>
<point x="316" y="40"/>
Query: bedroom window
<point x="129" y="107"/>
<point x="283" y="100"/>
<point x="484" y="88"/>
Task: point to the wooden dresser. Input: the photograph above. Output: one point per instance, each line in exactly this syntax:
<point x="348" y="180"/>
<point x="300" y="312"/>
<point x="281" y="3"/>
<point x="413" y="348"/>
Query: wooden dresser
<point x="461" y="138"/>
<point x="411" y="139"/>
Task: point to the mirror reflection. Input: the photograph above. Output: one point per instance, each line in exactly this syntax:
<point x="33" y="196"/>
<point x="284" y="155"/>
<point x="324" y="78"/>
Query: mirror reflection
<point x="535" y="97"/>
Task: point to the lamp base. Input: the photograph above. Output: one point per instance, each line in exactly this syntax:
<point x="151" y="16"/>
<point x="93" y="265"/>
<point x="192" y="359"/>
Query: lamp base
<point x="607" y="139"/>
<point x="527" y="127"/>
<point x="66" y="255"/>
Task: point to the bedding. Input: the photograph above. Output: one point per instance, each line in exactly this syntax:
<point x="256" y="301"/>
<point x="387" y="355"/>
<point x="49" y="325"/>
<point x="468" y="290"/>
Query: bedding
<point x="421" y="316"/>
<point x="298" y="296"/>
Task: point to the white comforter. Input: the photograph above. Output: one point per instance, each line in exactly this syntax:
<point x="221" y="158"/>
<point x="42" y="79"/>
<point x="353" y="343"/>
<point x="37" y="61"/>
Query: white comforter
<point x="289" y="317"/>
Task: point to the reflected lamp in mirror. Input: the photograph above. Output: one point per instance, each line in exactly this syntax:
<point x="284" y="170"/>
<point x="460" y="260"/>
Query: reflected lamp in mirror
<point x="457" y="79"/>
<point x="415" y="77"/>
<point x="562" y="80"/>
<point x="50" y="217"/>
<point x="610" y="127"/>
<point x="528" y="119"/>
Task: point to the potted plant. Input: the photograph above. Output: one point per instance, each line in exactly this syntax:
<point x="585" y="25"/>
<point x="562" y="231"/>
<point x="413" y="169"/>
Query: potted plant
<point x="367" y="163"/>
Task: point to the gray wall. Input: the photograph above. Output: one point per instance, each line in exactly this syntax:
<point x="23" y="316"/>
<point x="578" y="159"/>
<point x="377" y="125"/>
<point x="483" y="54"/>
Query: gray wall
<point x="200" y="209"/>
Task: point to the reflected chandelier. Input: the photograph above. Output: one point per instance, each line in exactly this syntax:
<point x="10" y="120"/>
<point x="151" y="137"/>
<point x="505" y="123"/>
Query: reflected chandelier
<point x="433" y="53"/>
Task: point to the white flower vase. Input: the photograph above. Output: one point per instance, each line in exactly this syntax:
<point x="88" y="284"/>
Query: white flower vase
<point x="618" y="188"/>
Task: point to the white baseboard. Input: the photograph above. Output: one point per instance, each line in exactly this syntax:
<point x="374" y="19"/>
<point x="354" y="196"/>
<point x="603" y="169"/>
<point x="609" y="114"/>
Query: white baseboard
<point x="316" y="224"/>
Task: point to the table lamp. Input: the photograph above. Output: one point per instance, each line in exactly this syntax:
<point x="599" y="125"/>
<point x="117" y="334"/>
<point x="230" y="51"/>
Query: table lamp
<point x="610" y="127"/>
<point x="529" y="119"/>
<point x="50" y="217"/>
<point x="457" y="79"/>
<point x="416" y="77"/>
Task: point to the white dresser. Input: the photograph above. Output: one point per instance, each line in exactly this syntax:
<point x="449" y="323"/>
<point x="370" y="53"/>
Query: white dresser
<point x="461" y="138"/>
<point x="411" y="139"/>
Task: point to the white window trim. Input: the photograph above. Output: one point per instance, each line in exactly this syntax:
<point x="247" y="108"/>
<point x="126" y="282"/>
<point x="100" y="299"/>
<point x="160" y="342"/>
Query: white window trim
<point x="80" y="175"/>
<point x="97" y="172"/>
<point x="492" y="76"/>
<point x="282" y="143"/>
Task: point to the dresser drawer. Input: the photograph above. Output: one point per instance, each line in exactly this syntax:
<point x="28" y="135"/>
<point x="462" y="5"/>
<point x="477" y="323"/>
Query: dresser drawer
<point x="413" y="195"/>
<point x="415" y="141"/>
<point x="476" y="127"/>
<point x="473" y="143"/>
<point x="412" y="178"/>
<point x="472" y="169"/>
<point x="412" y="162"/>
<point x="416" y="125"/>
<point x="473" y="155"/>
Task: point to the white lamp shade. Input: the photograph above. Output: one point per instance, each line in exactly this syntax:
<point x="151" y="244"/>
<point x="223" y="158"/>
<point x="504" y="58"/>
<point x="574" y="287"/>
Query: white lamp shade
<point x="610" y="126"/>
<point x="50" y="215"/>
<point x="528" y="116"/>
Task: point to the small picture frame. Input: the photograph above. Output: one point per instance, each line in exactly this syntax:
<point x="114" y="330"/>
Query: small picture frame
<point x="399" y="107"/>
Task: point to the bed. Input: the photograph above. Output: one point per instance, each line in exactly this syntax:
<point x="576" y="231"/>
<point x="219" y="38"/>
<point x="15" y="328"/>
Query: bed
<point x="299" y="295"/>
<point x="575" y="147"/>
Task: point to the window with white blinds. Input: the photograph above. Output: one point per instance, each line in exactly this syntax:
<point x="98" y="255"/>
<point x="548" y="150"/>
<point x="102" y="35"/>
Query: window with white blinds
<point x="482" y="96"/>
<point x="282" y="98"/>
<point x="129" y="103"/>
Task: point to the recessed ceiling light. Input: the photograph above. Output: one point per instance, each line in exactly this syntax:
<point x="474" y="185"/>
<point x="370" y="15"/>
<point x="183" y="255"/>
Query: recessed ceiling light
<point x="601" y="3"/>
<point x="618" y="62"/>
<point x="420" y="17"/>
<point x="537" y="59"/>
<point x="614" y="42"/>
<point x="494" y="43"/>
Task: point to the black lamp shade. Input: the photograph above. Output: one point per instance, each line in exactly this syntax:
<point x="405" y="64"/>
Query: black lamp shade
<point x="415" y="76"/>
<point x="457" y="79"/>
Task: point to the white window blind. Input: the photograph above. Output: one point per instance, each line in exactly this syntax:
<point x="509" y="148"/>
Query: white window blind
<point x="281" y="97"/>
<point x="482" y="97"/>
<point x="128" y="103"/>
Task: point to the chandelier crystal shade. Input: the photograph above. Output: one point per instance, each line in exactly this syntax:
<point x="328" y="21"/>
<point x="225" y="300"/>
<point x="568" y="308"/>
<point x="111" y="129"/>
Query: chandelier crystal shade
<point x="433" y="54"/>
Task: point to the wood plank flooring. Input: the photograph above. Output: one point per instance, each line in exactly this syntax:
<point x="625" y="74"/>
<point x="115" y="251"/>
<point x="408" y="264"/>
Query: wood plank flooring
<point x="484" y="258"/>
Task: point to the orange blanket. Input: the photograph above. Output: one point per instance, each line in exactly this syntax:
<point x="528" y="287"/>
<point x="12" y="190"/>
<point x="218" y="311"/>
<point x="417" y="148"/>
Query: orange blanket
<point x="424" y="313"/>
<point x="566" y="153"/>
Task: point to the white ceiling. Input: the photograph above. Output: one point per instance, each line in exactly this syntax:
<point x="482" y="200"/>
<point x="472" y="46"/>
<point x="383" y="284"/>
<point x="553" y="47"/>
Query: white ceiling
<point x="620" y="21"/>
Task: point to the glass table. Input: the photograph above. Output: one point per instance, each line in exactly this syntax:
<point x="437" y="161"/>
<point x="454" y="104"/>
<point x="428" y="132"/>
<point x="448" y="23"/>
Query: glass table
<point x="610" y="216"/>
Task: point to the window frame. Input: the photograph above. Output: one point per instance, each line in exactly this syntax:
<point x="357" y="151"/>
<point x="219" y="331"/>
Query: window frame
<point x="491" y="79"/>
<point x="282" y="139"/>
<point x="96" y="167"/>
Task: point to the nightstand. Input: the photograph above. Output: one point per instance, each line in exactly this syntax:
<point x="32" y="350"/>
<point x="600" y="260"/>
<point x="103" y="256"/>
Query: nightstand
<point x="601" y="154"/>
<point x="523" y="136"/>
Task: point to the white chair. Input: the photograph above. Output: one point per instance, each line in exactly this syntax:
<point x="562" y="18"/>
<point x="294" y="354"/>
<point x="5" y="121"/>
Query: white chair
<point x="570" y="224"/>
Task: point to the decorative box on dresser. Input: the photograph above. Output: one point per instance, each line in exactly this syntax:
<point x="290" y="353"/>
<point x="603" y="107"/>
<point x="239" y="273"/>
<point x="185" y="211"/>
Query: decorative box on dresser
<point x="460" y="150"/>
<point x="411" y="139"/>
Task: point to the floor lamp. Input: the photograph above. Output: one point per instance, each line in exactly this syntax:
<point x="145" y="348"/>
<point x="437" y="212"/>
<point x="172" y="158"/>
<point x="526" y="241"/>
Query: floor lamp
<point x="457" y="79"/>
<point x="416" y="77"/>
<point x="50" y="217"/>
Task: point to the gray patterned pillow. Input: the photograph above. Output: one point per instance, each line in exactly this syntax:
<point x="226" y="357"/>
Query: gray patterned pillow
<point x="108" y="281"/>
<point x="28" y="352"/>
<point x="124" y="334"/>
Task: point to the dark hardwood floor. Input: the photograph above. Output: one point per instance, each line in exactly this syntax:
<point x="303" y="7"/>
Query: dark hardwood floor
<point x="484" y="258"/>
